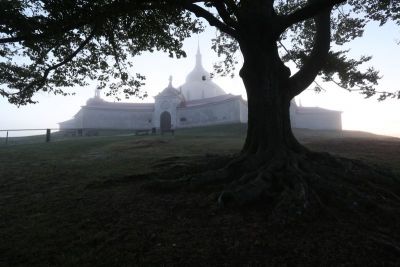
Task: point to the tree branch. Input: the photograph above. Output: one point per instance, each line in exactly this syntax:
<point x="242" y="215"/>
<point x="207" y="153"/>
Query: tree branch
<point x="223" y="12"/>
<point x="213" y="21"/>
<point x="312" y="9"/>
<point x="11" y="40"/>
<point x="313" y="65"/>
<point x="53" y="28"/>
<point x="232" y="5"/>
<point x="40" y="83"/>
<point x="31" y="37"/>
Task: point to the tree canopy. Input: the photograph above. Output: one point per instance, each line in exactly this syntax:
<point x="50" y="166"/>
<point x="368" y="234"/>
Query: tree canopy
<point x="48" y="45"/>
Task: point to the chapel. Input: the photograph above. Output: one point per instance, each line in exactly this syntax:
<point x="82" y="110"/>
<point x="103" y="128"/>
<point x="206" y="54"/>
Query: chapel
<point x="198" y="102"/>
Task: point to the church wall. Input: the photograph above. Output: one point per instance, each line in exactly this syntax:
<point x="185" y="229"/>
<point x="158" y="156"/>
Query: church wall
<point x="219" y="113"/>
<point x="69" y="124"/>
<point x="327" y="121"/>
<point x="74" y="123"/>
<point x="116" y="119"/>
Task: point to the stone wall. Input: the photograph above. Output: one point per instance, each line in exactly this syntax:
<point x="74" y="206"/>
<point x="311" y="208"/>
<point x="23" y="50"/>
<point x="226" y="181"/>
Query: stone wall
<point x="319" y="121"/>
<point x="114" y="119"/>
<point x="215" y="113"/>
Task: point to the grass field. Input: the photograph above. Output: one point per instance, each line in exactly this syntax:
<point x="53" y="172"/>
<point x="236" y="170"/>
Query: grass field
<point x="80" y="202"/>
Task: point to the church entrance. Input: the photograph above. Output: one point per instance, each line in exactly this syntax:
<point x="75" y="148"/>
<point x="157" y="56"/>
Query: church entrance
<point x="165" y="122"/>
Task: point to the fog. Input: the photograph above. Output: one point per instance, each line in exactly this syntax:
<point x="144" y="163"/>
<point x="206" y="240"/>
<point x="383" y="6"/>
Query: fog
<point x="358" y="113"/>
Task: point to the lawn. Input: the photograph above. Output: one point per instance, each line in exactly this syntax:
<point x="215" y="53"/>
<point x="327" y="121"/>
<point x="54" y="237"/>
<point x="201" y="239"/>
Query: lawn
<point x="84" y="202"/>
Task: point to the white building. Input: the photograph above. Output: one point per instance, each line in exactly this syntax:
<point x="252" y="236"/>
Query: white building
<point x="198" y="102"/>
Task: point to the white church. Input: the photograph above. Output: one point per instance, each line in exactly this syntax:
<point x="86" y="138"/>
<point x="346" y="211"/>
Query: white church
<point x="198" y="102"/>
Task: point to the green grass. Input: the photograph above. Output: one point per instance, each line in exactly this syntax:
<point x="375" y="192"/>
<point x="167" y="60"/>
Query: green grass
<point x="56" y="207"/>
<point x="43" y="186"/>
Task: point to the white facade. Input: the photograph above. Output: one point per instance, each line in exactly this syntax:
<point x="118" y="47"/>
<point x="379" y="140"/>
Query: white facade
<point x="167" y="102"/>
<point x="211" y="111"/>
<point x="198" y="102"/>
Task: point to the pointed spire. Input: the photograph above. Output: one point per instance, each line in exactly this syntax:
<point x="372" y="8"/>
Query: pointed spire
<point x="198" y="55"/>
<point x="170" y="81"/>
<point x="198" y="45"/>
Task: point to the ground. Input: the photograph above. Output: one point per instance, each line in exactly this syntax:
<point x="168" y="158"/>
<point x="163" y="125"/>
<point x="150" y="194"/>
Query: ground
<point x="85" y="201"/>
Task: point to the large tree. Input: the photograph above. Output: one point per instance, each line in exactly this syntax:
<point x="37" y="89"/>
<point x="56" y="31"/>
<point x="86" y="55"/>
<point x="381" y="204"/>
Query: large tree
<point x="46" y="45"/>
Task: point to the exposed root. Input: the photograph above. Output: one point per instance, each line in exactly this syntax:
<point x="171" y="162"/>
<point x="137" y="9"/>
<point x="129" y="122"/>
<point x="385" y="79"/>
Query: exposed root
<point x="297" y="185"/>
<point x="307" y="186"/>
<point x="314" y="184"/>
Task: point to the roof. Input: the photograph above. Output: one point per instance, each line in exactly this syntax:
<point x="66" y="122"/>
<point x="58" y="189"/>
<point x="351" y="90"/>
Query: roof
<point x="311" y="110"/>
<point x="211" y="100"/>
<point x="170" y="91"/>
<point x="121" y="105"/>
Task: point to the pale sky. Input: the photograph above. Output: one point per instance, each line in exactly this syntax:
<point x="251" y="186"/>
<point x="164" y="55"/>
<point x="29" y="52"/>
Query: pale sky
<point x="358" y="113"/>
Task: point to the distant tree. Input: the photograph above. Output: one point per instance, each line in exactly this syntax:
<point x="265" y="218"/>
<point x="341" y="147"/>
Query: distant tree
<point x="50" y="44"/>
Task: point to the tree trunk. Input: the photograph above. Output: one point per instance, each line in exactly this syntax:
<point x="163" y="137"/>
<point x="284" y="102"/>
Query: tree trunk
<point x="268" y="162"/>
<point x="272" y="161"/>
<point x="269" y="132"/>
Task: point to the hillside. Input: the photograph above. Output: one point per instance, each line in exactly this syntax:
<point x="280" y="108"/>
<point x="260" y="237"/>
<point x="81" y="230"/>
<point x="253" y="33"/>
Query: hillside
<point x="84" y="202"/>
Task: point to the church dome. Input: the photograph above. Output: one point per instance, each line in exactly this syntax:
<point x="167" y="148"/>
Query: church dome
<point x="170" y="91"/>
<point x="198" y="83"/>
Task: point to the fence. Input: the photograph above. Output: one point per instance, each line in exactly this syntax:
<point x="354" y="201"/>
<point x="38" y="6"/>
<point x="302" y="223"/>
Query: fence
<point x="47" y="133"/>
<point x="55" y="134"/>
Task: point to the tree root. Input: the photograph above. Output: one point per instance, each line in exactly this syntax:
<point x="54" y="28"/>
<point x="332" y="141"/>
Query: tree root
<point x="300" y="185"/>
<point x="314" y="184"/>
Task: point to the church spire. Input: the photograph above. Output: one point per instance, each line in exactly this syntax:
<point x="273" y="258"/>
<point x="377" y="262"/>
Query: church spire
<point x="198" y="56"/>
<point x="170" y="81"/>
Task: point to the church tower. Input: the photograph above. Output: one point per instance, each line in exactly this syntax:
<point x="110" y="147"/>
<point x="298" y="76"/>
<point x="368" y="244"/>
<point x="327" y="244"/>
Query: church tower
<point x="166" y="103"/>
<point x="198" y="83"/>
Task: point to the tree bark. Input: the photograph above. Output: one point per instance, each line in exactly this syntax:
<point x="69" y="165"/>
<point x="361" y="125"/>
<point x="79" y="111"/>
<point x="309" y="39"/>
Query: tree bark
<point x="265" y="77"/>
